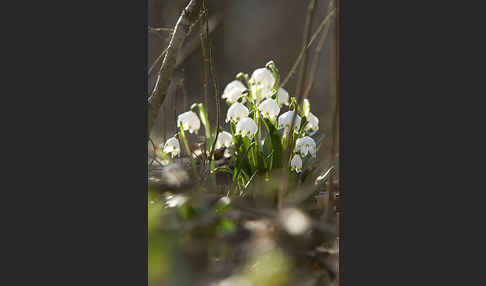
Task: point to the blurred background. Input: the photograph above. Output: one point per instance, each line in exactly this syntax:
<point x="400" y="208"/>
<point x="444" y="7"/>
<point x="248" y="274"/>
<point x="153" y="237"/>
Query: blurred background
<point x="245" y="35"/>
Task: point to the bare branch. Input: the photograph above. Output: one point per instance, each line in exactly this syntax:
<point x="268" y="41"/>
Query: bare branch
<point x="313" y="71"/>
<point x="191" y="46"/>
<point x="301" y="55"/>
<point x="156" y="61"/>
<point x="307" y="34"/>
<point x="182" y="28"/>
<point x="204" y="45"/>
<point x="162" y="29"/>
<point x="300" y="97"/>
<point x="216" y="96"/>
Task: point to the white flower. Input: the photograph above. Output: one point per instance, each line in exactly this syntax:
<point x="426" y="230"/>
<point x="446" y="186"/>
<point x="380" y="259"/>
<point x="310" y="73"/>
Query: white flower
<point x="305" y="145"/>
<point x="282" y="96"/>
<point x="236" y="112"/>
<point x="172" y="147"/>
<point x="296" y="164"/>
<point x="246" y="127"/>
<point x="262" y="82"/>
<point x="225" y="139"/>
<point x="313" y="123"/>
<point x="233" y="91"/>
<point x="285" y="120"/>
<point x="269" y="109"/>
<point x="189" y="121"/>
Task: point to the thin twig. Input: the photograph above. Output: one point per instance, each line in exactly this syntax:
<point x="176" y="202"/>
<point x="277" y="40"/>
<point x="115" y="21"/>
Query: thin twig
<point x="335" y="120"/>
<point x="163" y="125"/>
<point x="216" y="96"/>
<point x="161" y="29"/>
<point x="313" y="71"/>
<point x="193" y="45"/>
<point x="189" y="16"/>
<point x="300" y="97"/>
<point x="184" y="94"/>
<point x="301" y="55"/>
<point x="155" y="153"/>
<point x="307" y="34"/>
<point x="204" y="44"/>
<point x="336" y="79"/>
<point x="156" y="61"/>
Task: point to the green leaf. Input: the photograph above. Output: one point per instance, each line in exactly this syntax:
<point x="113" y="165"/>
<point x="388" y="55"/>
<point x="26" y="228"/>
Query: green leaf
<point x="205" y="121"/>
<point x="226" y="226"/>
<point x="276" y="144"/>
<point x="242" y="158"/>
<point x="303" y="124"/>
<point x="250" y="180"/>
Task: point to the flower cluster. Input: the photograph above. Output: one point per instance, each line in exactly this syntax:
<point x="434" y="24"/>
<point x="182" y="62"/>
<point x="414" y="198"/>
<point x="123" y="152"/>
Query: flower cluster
<point x="262" y="122"/>
<point x="263" y="100"/>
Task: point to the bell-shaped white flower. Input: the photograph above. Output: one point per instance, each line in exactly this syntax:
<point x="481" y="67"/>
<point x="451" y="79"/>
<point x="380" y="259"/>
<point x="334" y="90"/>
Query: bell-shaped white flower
<point x="236" y="112"/>
<point x="296" y="164"/>
<point x="172" y="147"/>
<point x="269" y="109"/>
<point x="305" y="145"/>
<point x="285" y="120"/>
<point x="246" y="127"/>
<point x="189" y="121"/>
<point x="282" y="96"/>
<point x="261" y="82"/>
<point x="225" y="139"/>
<point x="233" y="91"/>
<point x="313" y="124"/>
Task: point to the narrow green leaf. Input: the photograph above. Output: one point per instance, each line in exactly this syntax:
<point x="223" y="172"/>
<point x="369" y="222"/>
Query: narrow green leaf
<point x="250" y="180"/>
<point x="276" y="144"/>
<point x="203" y="115"/>
<point x="242" y="159"/>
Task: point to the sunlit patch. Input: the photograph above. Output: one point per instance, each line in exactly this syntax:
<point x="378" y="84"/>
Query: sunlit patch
<point x="227" y="153"/>
<point x="294" y="221"/>
<point x="225" y="200"/>
<point x="235" y="280"/>
<point x="154" y="179"/>
<point x="257" y="226"/>
<point x="175" y="201"/>
<point x="175" y="175"/>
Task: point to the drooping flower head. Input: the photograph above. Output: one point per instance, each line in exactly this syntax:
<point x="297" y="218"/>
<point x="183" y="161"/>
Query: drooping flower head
<point x="296" y="164"/>
<point x="172" y="147"/>
<point x="233" y="91"/>
<point x="305" y="145"/>
<point x="189" y="121"/>
<point x="285" y="120"/>
<point x="313" y="124"/>
<point x="246" y="127"/>
<point x="262" y="82"/>
<point x="225" y="139"/>
<point x="269" y="109"/>
<point x="282" y="97"/>
<point x="236" y="112"/>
